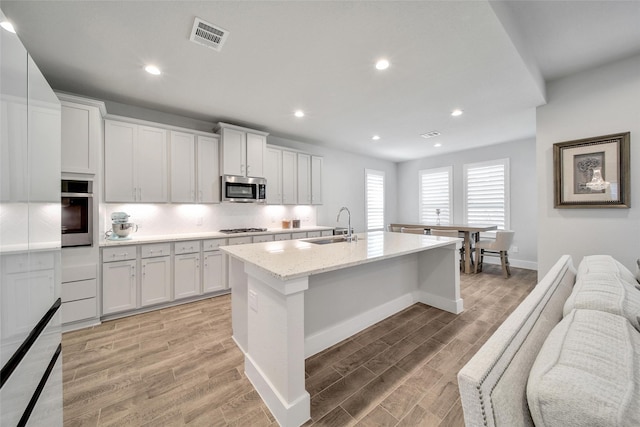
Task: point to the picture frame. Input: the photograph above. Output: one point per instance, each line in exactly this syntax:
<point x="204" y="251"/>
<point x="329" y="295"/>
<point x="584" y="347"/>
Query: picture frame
<point x="592" y="172"/>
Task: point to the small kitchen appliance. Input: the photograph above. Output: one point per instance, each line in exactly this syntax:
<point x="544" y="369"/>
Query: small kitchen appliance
<point x="121" y="227"/>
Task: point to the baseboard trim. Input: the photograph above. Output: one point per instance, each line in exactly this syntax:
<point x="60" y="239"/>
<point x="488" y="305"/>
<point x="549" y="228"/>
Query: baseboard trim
<point x="517" y="263"/>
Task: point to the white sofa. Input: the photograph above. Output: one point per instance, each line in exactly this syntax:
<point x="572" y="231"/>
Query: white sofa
<point x="567" y="356"/>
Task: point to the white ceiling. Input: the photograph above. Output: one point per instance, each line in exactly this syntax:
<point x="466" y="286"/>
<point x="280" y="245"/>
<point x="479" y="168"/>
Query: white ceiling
<point x="487" y="58"/>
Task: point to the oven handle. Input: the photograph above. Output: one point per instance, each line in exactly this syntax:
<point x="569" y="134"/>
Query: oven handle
<point x="76" y="195"/>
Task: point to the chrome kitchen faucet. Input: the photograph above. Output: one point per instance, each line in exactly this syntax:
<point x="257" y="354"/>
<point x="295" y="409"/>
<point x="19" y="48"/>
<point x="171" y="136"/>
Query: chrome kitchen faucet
<point x="349" y="237"/>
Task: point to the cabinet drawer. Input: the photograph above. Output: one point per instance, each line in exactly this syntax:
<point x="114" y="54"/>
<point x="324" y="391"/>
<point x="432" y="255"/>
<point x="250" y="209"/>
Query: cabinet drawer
<point x="300" y="235"/>
<point x="239" y="240"/>
<point x="82" y="289"/>
<point x="161" y="249"/>
<point x="283" y="236"/>
<point x="314" y="234"/>
<point x="79" y="310"/>
<point x="34" y="261"/>
<point x="189" y="247"/>
<point x="263" y="238"/>
<point x="213" y="244"/>
<point x="122" y="253"/>
<point x="79" y="272"/>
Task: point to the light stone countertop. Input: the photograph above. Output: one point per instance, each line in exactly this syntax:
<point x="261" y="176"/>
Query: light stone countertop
<point x="291" y="259"/>
<point x="136" y="240"/>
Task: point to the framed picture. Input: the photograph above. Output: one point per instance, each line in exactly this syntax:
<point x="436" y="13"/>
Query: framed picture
<point x="592" y="172"/>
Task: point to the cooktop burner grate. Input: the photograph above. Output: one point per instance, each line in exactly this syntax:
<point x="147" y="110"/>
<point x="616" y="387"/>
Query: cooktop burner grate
<point x="242" y="230"/>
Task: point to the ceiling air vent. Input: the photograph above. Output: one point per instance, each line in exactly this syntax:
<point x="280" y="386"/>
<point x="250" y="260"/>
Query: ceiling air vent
<point x="430" y="134"/>
<point x="208" y="34"/>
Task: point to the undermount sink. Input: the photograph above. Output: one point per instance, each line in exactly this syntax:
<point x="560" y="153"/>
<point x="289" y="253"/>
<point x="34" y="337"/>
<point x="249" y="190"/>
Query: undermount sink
<point x="329" y="240"/>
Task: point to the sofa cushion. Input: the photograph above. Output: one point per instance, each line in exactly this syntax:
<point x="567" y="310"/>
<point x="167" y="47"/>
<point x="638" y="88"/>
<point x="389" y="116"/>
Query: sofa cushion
<point x="605" y="264"/>
<point x="605" y="292"/>
<point x="587" y="373"/>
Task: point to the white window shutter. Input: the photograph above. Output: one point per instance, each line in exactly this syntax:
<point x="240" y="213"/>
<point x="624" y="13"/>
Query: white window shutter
<point x="374" y="189"/>
<point x="487" y="193"/>
<point x="435" y="193"/>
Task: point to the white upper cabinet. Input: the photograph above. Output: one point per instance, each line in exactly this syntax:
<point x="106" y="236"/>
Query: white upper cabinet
<point x="208" y="172"/>
<point x="289" y="178"/>
<point x="316" y="180"/>
<point x="304" y="179"/>
<point x="183" y="167"/>
<point x="135" y="163"/>
<point x="81" y="134"/>
<point x="242" y="151"/>
<point x="273" y="174"/>
<point x="194" y="168"/>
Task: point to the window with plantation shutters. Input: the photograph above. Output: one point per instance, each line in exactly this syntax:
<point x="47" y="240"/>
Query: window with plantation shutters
<point x="374" y="189"/>
<point x="435" y="194"/>
<point x="486" y="193"/>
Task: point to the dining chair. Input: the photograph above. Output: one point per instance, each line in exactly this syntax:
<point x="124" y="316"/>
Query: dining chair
<point x="498" y="248"/>
<point x="453" y="233"/>
<point x="413" y="230"/>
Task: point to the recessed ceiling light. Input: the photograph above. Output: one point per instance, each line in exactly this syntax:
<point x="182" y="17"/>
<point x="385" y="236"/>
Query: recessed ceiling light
<point x="152" y="69"/>
<point x="456" y="113"/>
<point x="299" y="113"/>
<point x="375" y="137"/>
<point x="437" y="145"/>
<point x="8" y="26"/>
<point x="382" y="64"/>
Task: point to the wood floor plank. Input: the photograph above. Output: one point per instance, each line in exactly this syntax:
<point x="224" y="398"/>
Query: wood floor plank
<point x="180" y="366"/>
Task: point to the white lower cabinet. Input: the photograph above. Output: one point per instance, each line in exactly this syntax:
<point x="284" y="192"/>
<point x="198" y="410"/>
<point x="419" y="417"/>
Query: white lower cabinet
<point x="118" y="286"/>
<point x="212" y="272"/>
<point x="186" y="270"/>
<point x="155" y="283"/>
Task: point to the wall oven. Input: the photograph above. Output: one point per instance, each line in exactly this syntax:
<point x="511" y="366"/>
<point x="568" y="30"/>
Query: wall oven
<point x="77" y="213"/>
<point x="244" y="190"/>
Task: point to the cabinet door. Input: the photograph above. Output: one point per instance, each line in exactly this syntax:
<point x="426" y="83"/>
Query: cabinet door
<point x="118" y="286"/>
<point x="212" y="273"/>
<point x="304" y="179"/>
<point x="289" y="178"/>
<point x="77" y="152"/>
<point x="186" y="271"/>
<point x="155" y="284"/>
<point x="256" y="146"/>
<point x="273" y="174"/>
<point x="183" y="168"/>
<point x="316" y="180"/>
<point x="151" y="160"/>
<point x="233" y="152"/>
<point x="119" y="142"/>
<point x="208" y="170"/>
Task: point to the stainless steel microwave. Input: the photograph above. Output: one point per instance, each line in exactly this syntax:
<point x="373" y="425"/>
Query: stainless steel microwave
<point x="244" y="190"/>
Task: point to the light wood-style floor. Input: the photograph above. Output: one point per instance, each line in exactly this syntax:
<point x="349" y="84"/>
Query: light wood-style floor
<point x="179" y="366"/>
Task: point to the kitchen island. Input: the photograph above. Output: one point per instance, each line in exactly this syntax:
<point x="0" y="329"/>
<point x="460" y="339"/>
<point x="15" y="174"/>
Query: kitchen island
<point x="293" y="299"/>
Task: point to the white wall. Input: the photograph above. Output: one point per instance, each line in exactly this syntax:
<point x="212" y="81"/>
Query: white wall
<point x="343" y="185"/>
<point x="522" y="167"/>
<point x="598" y="102"/>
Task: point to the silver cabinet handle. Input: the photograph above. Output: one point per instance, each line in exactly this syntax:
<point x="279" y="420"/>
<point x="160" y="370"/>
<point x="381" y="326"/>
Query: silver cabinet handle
<point x="134" y="193"/>
<point x="133" y="272"/>
<point x="139" y="194"/>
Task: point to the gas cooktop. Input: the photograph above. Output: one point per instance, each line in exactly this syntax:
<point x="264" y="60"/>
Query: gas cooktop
<point x="242" y="230"/>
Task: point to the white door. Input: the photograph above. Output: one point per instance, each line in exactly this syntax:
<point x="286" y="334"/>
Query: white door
<point x="183" y="168"/>
<point x="118" y="286"/>
<point x="155" y="283"/>
<point x="289" y="178"/>
<point x="273" y="174"/>
<point x="119" y="143"/>
<point x="208" y="170"/>
<point x="151" y="162"/>
<point x="256" y="146"/>
<point x="186" y="271"/>
<point x="213" y="277"/>
<point x="233" y="152"/>
<point x="316" y="180"/>
<point x="304" y="179"/>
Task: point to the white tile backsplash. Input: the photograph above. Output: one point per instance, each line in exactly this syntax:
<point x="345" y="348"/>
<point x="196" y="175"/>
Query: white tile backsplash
<point x="162" y="219"/>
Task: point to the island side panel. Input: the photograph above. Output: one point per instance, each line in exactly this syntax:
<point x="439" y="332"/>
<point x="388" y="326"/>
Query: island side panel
<point x="340" y="303"/>
<point x="238" y="283"/>
<point x="274" y="362"/>
<point x="439" y="278"/>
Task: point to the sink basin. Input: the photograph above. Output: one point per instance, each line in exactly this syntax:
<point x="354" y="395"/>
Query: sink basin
<point x="328" y="240"/>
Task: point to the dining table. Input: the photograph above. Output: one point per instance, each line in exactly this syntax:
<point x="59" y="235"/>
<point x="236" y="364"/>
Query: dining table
<point x="469" y="232"/>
